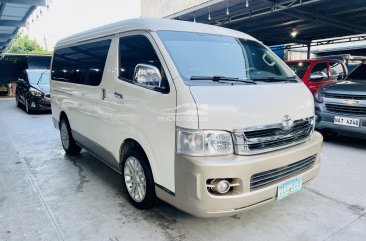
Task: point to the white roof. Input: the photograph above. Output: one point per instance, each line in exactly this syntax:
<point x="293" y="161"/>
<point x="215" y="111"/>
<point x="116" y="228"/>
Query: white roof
<point x="150" y="24"/>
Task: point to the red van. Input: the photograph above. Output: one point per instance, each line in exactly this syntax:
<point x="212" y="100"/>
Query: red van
<point x="316" y="73"/>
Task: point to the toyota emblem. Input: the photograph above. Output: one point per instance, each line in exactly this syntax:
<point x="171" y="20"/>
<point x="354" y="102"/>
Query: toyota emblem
<point x="287" y="122"/>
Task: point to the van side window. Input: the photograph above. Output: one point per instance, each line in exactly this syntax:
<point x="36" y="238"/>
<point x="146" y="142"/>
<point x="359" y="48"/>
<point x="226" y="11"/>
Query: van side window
<point x="321" y="68"/>
<point x="134" y="50"/>
<point x="81" y="64"/>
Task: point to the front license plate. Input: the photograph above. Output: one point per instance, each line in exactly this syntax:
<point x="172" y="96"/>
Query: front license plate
<point x="345" y="121"/>
<point x="289" y="187"/>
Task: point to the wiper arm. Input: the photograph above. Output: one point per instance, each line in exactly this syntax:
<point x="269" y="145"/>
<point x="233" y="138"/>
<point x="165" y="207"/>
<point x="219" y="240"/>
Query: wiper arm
<point x="274" y="79"/>
<point x="40" y="77"/>
<point x="222" y="78"/>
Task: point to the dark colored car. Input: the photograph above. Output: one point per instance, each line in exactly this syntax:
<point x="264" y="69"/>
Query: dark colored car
<point x="316" y="73"/>
<point x="341" y="107"/>
<point x="33" y="90"/>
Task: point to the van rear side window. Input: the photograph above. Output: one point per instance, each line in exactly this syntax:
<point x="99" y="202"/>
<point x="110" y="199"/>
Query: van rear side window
<point x="81" y="64"/>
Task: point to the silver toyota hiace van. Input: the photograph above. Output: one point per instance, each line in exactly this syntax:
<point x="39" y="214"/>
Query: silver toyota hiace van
<point x="205" y="118"/>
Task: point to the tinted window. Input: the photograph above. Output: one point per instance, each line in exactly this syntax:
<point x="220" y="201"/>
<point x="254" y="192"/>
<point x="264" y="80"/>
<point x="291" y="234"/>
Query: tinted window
<point x="358" y="73"/>
<point x="81" y="64"/>
<point x="136" y="50"/>
<point x="198" y="54"/>
<point x="321" y="68"/>
<point x="336" y="70"/>
<point x="299" y="68"/>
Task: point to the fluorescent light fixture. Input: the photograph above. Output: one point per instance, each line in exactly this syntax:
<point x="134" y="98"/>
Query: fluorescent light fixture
<point x="294" y="33"/>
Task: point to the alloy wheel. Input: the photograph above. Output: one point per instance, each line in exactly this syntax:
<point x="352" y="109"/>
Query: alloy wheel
<point x="135" y="179"/>
<point x="64" y="136"/>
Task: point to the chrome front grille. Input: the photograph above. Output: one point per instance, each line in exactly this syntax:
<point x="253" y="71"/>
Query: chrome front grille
<point x="344" y="97"/>
<point x="346" y="109"/>
<point x="271" y="137"/>
<point x="268" y="177"/>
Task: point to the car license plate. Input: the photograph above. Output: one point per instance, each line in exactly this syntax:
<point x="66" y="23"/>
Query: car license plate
<point x="289" y="187"/>
<point x="339" y="120"/>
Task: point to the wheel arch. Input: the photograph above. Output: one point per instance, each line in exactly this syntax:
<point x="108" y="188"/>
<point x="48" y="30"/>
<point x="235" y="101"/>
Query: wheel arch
<point x="129" y="143"/>
<point x="62" y="115"/>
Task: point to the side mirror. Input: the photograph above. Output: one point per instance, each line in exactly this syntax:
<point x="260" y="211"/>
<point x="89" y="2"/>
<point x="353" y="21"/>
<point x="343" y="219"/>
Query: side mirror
<point x="316" y="76"/>
<point x="147" y="76"/>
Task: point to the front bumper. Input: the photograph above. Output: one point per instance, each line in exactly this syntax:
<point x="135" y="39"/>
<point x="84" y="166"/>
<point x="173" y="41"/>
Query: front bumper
<point x="191" y="174"/>
<point x="39" y="103"/>
<point x="325" y="121"/>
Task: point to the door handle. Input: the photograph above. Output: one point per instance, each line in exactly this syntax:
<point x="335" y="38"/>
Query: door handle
<point x="103" y="94"/>
<point x="118" y="95"/>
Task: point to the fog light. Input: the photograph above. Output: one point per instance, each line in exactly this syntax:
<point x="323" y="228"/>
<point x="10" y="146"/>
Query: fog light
<point x="221" y="185"/>
<point x="33" y="104"/>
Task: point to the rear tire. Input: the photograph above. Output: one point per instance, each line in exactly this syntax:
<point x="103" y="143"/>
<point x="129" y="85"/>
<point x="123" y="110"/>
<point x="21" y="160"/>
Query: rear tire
<point x="138" y="180"/>
<point x="67" y="141"/>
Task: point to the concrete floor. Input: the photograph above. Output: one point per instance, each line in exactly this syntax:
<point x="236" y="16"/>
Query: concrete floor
<point x="45" y="195"/>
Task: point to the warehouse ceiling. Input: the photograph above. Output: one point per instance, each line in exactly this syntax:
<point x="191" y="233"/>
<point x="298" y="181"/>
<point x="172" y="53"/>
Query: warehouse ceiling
<point x="13" y="15"/>
<point x="283" y="21"/>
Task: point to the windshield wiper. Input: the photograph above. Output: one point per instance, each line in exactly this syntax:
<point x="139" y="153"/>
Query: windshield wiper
<point x="222" y="78"/>
<point x="276" y="79"/>
<point x="40" y="77"/>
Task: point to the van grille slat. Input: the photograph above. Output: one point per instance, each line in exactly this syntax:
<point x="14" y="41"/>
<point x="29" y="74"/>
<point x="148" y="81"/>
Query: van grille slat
<point x="262" y="133"/>
<point x="267" y="139"/>
<point x="268" y="177"/>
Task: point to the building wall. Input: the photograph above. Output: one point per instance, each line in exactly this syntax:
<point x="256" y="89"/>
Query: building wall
<point x="298" y="54"/>
<point x="163" y="8"/>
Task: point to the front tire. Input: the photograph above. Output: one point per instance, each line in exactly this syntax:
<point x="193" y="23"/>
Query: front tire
<point x="67" y="141"/>
<point x="138" y="180"/>
<point x="17" y="100"/>
<point x="27" y="108"/>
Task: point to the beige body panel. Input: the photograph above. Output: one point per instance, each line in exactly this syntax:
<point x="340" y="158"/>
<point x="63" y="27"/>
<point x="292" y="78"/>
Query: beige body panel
<point x="192" y="172"/>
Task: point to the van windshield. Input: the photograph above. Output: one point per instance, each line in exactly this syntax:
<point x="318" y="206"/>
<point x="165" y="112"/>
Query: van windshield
<point x="209" y="57"/>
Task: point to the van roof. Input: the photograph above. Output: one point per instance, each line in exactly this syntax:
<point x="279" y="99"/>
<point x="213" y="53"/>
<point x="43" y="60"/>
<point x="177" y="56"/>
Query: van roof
<point x="150" y="24"/>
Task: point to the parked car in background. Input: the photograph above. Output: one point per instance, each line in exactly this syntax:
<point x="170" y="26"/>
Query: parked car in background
<point x="33" y="90"/>
<point x="341" y="107"/>
<point x="4" y="91"/>
<point x="316" y="73"/>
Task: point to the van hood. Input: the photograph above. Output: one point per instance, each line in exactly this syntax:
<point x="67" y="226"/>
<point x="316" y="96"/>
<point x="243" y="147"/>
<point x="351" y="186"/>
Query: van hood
<point x="240" y="106"/>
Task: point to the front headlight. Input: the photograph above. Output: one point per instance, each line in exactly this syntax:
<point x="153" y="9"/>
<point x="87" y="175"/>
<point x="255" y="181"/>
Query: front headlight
<point x="204" y="142"/>
<point x="312" y="122"/>
<point x="35" y="92"/>
<point x="318" y="97"/>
